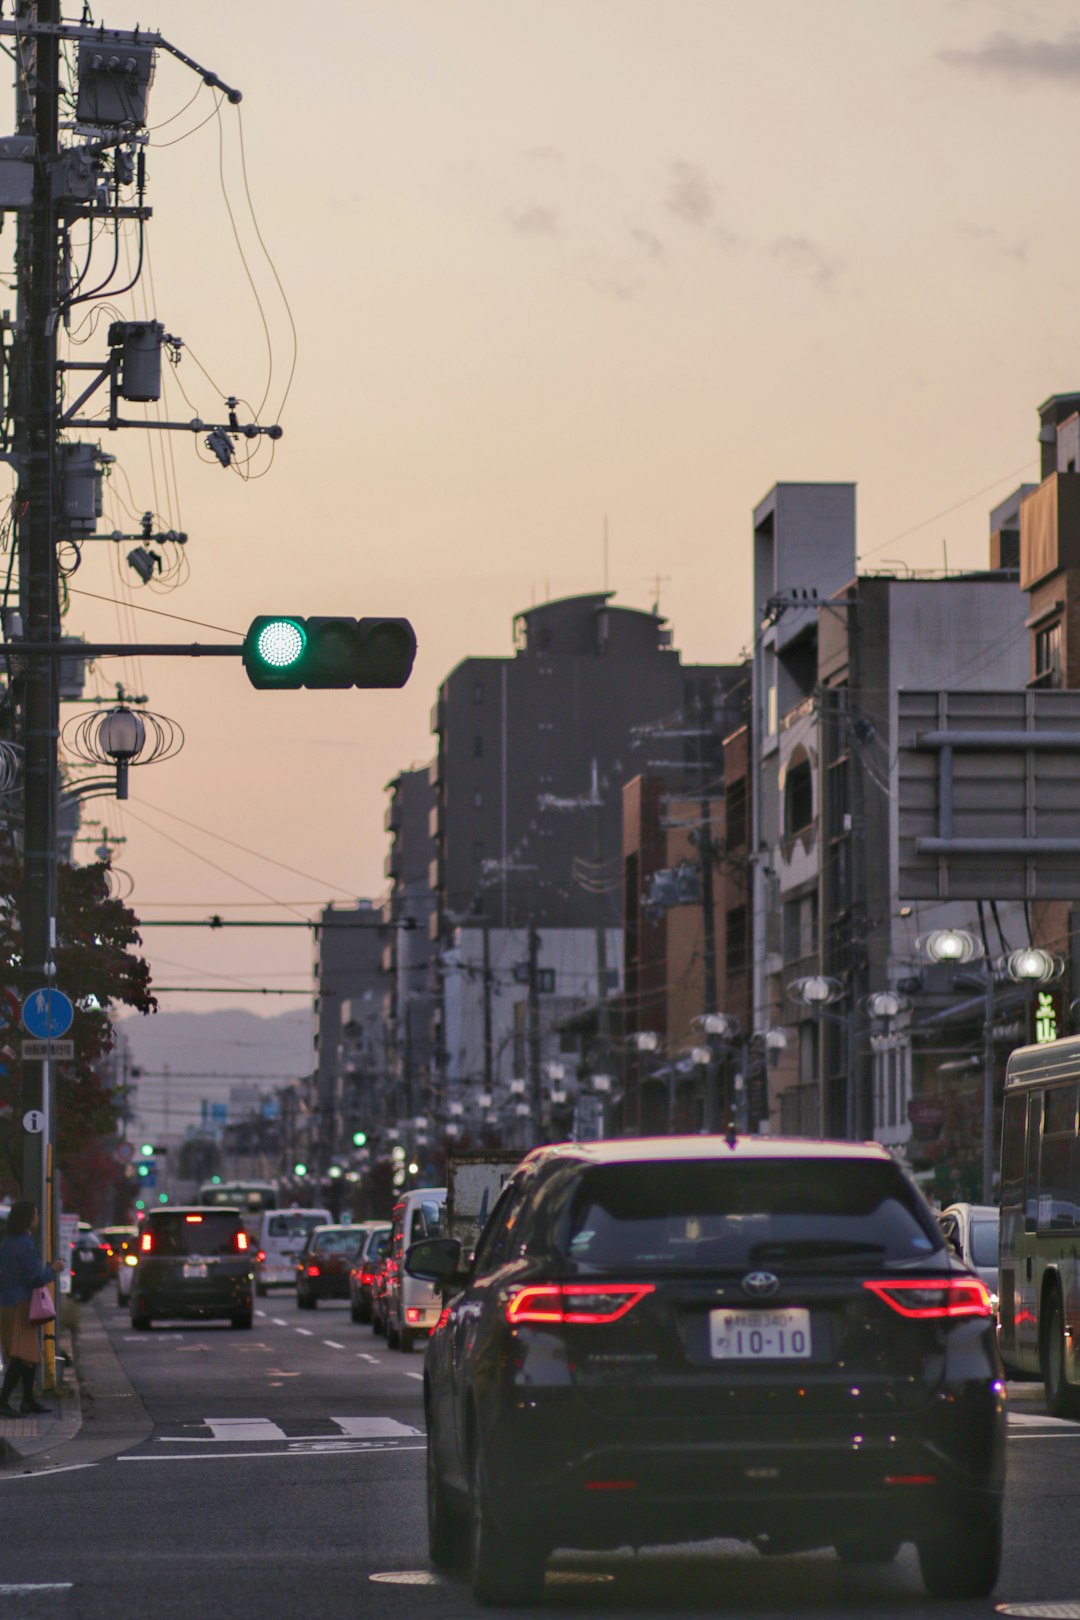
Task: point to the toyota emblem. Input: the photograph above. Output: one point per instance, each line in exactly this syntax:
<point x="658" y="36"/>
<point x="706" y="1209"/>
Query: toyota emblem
<point x="760" y="1284"/>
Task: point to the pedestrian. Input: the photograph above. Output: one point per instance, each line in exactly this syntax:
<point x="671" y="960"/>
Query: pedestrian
<point x="20" y="1339"/>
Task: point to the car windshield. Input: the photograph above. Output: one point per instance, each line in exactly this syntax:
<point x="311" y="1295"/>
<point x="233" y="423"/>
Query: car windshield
<point x="377" y="1245"/>
<point x="709" y="1214"/>
<point x="984" y="1243"/>
<point x="340" y="1240"/>
<point x="292" y="1226"/>
<point x="194" y="1234"/>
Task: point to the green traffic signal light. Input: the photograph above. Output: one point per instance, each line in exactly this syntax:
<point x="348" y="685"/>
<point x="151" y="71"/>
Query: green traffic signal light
<point x="283" y="652"/>
<point x="300" y="1170"/>
<point x="144" y="1169"/>
<point x="147" y="1150"/>
<point x="359" y="1138"/>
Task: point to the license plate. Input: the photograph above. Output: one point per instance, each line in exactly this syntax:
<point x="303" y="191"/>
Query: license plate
<point x="194" y="1270"/>
<point x="759" y="1335"/>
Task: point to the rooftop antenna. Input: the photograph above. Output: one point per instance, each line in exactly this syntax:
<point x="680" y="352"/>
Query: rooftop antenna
<point x="658" y="580"/>
<point x="605" y="554"/>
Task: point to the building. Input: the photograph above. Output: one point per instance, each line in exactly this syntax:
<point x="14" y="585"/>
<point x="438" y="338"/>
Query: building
<point x="348" y="973"/>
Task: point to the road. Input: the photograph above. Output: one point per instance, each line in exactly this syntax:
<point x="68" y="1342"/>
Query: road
<point x="265" y="1474"/>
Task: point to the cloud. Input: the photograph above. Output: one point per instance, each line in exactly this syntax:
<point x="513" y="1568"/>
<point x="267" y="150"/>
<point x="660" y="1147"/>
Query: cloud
<point x="535" y="221"/>
<point x="992" y="238"/>
<point x="649" y="243"/>
<point x="803" y="255"/>
<point x="691" y="196"/>
<point x="1008" y="56"/>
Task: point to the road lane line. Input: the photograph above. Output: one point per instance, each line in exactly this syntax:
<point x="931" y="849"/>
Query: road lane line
<point x="305" y="1331"/>
<point x="415" y="1375"/>
<point x="362" y="1355"/>
<point x="333" y="1344"/>
<point x="279" y="1321"/>
<point x="40" y="1473"/>
<point x="38" y="1586"/>
<point x="375" y="1428"/>
<point x="260" y="1313"/>
<point x="325" y="1449"/>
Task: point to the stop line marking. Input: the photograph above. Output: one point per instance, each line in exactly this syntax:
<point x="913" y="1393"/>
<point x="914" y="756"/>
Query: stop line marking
<point x="264" y="1430"/>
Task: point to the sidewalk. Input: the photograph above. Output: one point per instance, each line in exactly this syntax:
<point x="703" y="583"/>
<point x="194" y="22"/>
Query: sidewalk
<point x="25" y="1437"/>
<point x="100" y="1413"/>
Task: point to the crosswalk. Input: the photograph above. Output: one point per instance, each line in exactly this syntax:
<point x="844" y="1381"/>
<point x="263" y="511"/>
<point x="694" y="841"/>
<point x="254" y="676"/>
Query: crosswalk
<point x="255" y="1430"/>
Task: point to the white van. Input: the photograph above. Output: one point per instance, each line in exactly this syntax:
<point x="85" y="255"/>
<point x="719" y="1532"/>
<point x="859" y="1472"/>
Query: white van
<point x="412" y="1306"/>
<point x="282" y="1235"/>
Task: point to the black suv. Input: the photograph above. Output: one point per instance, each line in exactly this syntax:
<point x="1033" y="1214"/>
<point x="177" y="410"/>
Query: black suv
<point x="670" y="1340"/>
<point x="193" y="1262"/>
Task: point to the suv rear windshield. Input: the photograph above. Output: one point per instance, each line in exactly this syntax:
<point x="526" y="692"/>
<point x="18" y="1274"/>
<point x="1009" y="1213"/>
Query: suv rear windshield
<point x="687" y="1216"/>
<point x="194" y="1234"/>
<point x="340" y="1240"/>
<point x="292" y="1226"/>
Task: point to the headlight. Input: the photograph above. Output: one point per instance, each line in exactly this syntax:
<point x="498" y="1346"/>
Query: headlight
<point x="131" y="1259"/>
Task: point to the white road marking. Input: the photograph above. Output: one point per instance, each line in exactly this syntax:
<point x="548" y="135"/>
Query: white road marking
<point x="333" y="1344"/>
<point x="67" y="1468"/>
<point x="362" y="1355"/>
<point x="374" y="1428"/>
<point x="1045" y="1434"/>
<point x="40" y="1586"/>
<point x="243" y="1429"/>
<point x="321" y="1448"/>
<point x="279" y="1321"/>
<point x="260" y="1313"/>
<point x="155" y="1338"/>
<point x="415" y="1375"/>
<point x="1032" y="1420"/>
<point x="305" y="1331"/>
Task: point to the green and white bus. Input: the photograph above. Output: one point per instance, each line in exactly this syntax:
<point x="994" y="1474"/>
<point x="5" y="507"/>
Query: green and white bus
<point x="1039" y="1259"/>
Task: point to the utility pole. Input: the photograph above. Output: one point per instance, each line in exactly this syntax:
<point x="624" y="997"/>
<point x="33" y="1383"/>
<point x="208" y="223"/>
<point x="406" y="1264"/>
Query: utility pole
<point x="489" y="1054"/>
<point x="535" y="1094"/>
<point x="706" y="853"/>
<point x="34" y="406"/>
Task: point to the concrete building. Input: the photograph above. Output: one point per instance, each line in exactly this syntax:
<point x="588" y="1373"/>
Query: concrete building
<point x="408" y="951"/>
<point x="348" y="975"/>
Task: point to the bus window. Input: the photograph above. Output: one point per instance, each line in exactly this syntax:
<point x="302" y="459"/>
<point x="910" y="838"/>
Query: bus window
<point x="1012" y="1151"/>
<point x="1058" y="1205"/>
<point x="1031" y="1166"/>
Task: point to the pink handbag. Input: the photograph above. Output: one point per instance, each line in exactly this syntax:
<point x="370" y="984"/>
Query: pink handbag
<point x="42" y="1308"/>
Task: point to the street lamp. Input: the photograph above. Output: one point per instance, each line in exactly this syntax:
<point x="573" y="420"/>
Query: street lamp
<point x="1029" y="966"/>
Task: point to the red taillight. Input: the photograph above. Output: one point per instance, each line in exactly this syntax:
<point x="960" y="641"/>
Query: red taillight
<point x="927" y="1300"/>
<point x="242" y="1242"/>
<point x="911" y="1479"/>
<point x="313" y="1271"/>
<point x="444" y="1317"/>
<point x="261" y="1256"/>
<point x="412" y="1314"/>
<point x="108" y="1251"/>
<point x="611" y="1484"/>
<point x="576" y="1302"/>
<point x="146" y="1242"/>
<point x="366" y="1279"/>
<point x="193" y="1220"/>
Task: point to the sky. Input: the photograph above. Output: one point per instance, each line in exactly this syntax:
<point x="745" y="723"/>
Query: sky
<point x="553" y="267"/>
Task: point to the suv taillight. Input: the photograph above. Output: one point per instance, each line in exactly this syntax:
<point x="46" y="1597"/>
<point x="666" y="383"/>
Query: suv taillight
<point x="576" y="1302"/>
<point x="261" y="1256"/>
<point x="928" y="1300"/>
<point x="241" y="1242"/>
<point x="146" y="1242"/>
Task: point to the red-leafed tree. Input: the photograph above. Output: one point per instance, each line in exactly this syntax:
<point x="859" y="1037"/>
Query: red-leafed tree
<point x="98" y="969"/>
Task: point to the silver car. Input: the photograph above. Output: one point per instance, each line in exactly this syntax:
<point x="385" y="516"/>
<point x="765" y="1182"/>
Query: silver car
<point x="972" y="1229"/>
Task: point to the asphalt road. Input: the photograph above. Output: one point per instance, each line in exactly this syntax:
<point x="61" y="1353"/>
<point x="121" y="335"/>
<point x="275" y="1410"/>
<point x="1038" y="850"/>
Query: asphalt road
<point x="262" y="1475"/>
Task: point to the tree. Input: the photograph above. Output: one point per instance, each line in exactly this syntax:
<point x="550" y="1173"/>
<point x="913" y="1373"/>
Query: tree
<point x="97" y="967"/>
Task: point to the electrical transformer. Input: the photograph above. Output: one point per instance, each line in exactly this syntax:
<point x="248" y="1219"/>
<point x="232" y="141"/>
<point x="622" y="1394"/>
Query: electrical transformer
<point x="139" y="343"/>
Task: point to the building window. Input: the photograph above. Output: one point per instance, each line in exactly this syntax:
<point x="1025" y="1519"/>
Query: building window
<point x="1048" y="655"/>
<point x="478" y="746"/>
<point x="735" y="940"/>
<point x="798" y="798"/>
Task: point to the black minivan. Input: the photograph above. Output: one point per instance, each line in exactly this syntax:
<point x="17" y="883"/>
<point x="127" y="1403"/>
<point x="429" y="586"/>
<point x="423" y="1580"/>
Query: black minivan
<point x="193" y="1262"/>
<point x="687" y="1337"/>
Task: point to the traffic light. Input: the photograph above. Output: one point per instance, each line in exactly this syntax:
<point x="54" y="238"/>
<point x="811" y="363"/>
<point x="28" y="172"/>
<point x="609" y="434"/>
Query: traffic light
<point x="300" y="1170"/>
<point x="285" y="652"/>
<point x="359" y="1138"/>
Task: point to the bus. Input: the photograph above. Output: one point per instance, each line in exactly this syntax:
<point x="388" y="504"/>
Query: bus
<point x="1039" y="1256"/>
<point x="251" y="1198"/>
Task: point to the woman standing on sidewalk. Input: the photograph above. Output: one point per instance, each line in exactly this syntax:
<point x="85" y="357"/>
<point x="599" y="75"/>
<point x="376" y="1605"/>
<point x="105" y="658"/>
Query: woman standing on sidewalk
<point x="20" y="1339"/>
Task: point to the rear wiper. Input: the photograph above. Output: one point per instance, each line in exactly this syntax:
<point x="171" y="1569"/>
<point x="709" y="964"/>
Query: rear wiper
<point x="813" y="1249"/>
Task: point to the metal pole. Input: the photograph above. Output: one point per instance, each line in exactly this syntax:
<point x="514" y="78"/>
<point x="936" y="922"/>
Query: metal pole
<point x="988" y="1085"/>
<point x="534" y="1029"/>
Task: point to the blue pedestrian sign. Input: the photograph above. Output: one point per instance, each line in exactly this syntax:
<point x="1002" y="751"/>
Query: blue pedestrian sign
<point x="47" y="1014"/>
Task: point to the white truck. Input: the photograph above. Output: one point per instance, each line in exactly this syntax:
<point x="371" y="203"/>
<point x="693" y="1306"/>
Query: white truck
<point x="473" y="1184"/>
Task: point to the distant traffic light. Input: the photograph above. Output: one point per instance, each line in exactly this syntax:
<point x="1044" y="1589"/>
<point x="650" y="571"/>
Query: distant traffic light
<point x="359" y="1138"/>
<point x="284" y="652"/>
<point x="300" y="1170"/>
<point x="147" y="1150"/>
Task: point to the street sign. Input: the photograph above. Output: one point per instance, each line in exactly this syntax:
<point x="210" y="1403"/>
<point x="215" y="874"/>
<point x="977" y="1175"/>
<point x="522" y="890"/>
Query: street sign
<point x="33" y="1121"/>
<point x="47" y="1013"/>
<point x="57" y="1051"/>
<point x="125" y="1152"/>
<point x="69" y="1231"/>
